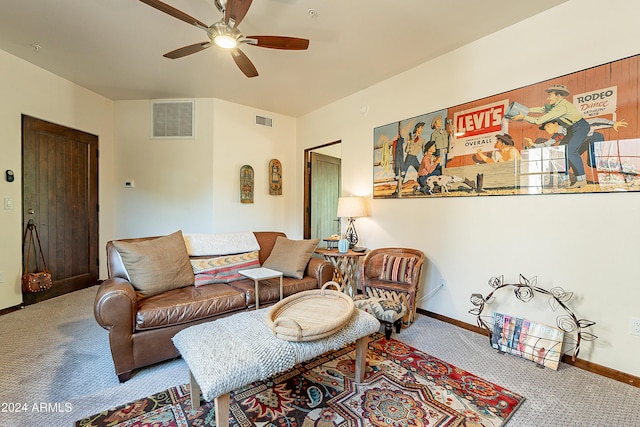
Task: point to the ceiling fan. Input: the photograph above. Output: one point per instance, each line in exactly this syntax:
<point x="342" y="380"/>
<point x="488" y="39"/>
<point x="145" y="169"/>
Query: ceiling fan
<point x="225" y="33"/>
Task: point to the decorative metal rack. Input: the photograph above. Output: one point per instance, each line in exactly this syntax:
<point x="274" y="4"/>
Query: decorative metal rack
<point x="525" y="291"/>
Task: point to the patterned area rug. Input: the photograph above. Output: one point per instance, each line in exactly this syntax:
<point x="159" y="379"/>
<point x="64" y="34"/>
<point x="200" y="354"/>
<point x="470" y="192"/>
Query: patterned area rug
<point x="404" y="387"/>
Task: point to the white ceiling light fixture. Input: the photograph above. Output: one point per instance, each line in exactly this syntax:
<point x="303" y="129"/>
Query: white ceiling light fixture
<point x="225" y="41"/>
<point x="223" y="35"/>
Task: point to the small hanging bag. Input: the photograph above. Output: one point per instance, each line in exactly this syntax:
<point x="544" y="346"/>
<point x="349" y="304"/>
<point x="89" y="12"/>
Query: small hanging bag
<point x="40" y="280"/>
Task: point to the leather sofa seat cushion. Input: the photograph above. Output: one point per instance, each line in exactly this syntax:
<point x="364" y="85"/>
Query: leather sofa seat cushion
<point x="270" y="288"/>
<point x="184" y="305"/>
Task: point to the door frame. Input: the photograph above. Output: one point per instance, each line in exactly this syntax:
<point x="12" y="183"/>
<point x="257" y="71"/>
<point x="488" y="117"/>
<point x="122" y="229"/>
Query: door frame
<point x="306" y="226"/>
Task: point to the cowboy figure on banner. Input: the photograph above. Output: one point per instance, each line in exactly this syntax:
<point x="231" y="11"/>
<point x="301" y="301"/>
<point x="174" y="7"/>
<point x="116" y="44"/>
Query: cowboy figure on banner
<point x="577" y="128"/>
<point x="403" y="157"/>
<point x="558" y="134"/>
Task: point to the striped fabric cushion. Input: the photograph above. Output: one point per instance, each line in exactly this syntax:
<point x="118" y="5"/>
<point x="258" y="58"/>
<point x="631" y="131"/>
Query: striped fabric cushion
<point x="397" y="269"/>
<point x="223" y="269"/>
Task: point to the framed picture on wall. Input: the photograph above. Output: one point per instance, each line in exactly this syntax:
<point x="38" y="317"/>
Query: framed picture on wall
<point x="578" y="133"/>
<point x="275" y="177"/>
<point x="246" y="184"/>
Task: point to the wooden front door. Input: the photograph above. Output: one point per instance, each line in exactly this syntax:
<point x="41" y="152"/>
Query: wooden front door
<point x="60" y="194"/>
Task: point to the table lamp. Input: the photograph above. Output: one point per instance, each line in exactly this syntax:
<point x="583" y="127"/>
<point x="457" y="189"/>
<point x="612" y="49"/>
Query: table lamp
<point x="351" y="208"/>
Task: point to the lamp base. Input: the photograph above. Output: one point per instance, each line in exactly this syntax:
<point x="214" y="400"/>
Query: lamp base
<point x="351" y="235"/>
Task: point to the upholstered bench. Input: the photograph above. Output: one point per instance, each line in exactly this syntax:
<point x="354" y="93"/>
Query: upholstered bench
<point x="389" y="312"/>
<point x="234" y="351"/>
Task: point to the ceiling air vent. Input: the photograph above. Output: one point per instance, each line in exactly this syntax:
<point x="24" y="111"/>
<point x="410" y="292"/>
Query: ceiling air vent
<point x="173" y="119"/>
<point x="264" y="121"/>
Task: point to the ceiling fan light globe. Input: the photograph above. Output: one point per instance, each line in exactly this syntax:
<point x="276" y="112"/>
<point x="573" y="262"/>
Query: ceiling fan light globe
<point x="225" y="41"/>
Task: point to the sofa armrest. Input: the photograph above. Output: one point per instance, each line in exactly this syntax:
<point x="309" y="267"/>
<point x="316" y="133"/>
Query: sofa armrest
<point x="115" y="310"/>
<point x="115" y="305"/>
<point x="320" y="269"/>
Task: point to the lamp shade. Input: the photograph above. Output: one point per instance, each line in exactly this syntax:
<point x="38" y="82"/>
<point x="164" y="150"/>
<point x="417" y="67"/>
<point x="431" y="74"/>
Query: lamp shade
<point x="352" y="207"/>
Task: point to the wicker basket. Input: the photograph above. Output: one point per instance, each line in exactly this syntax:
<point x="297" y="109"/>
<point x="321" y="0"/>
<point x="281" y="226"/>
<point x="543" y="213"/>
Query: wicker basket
<point x="311" y="315"/>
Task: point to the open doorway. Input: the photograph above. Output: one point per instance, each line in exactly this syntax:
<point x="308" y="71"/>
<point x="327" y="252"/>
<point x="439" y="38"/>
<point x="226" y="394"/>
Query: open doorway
<point x="322" y="187"/>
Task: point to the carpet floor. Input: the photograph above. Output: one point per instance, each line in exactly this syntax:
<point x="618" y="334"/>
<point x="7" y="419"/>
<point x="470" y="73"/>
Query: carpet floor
<point x="56" y="369"/>
<point x="403" y="387"/>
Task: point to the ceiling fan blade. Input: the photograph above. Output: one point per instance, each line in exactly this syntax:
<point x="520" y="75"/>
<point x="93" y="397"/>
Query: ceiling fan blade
<point x="187" y="50"/>
<point x="235" y="10"/>
<point x="244" y="63"/>
<point x="170" y="10"/>
<point x="280" y="42"/>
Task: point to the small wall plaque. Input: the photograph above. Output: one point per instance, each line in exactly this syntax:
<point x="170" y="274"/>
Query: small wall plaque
<point x="246" y="184"/>
<point x="275" y="177"/>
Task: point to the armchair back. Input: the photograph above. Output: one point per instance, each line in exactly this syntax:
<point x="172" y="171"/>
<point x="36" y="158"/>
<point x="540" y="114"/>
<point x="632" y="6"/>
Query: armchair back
<point x="371" y="271"/>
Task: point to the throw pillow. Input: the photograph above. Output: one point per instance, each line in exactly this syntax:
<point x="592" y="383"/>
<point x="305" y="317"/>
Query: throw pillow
<point x="223" y="269"/>
<point x="291" y="256"/>
<point x="157" y="265"/>
<point x="397" y="269"/>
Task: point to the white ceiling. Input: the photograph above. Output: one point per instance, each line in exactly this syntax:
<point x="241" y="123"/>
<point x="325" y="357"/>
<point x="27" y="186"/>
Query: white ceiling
<point x="115" y="47"/>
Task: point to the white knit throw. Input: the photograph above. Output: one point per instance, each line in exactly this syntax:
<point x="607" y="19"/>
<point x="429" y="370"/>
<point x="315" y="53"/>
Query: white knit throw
<point x="220" y="244"/>
<point x="234" y="351"/>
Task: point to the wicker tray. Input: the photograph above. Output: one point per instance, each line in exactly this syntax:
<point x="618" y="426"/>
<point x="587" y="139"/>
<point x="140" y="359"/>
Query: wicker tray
<point x="310" y="315"/>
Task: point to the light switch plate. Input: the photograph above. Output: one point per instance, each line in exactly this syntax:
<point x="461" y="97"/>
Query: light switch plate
<point x="8" y="203"/>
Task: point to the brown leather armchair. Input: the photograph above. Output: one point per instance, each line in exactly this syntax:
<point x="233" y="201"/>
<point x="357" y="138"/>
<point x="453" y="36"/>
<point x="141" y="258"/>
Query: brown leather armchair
<point x="372" y="285"/>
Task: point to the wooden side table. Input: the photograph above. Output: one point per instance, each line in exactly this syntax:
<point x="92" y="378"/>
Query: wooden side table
<point x="345" y="267"/>
<point x="261" y="273"/>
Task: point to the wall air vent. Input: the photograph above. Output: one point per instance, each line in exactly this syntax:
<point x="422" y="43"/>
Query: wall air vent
<point x="173" y="119"/>
<point x="264" y="121"/>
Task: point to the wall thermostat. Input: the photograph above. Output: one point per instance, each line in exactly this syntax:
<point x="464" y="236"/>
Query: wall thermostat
<point x="9" y="175"/>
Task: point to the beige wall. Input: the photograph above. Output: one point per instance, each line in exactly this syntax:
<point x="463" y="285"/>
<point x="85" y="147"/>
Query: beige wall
<point x="193" y="185"/>
<point x="173" y="177"/>
<point x="587" y="244"/>
<point x="29" y="90"/>
<point x="239" y="141"/>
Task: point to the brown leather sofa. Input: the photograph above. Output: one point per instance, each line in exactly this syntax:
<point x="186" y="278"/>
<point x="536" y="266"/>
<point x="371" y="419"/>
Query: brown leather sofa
<point x="140" y="330"/>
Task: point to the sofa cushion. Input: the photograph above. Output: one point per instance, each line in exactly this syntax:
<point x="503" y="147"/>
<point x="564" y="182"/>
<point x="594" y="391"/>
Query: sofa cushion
<point x="220" y="243"/>
<point x="188" y="304"/>
<point x="157" y="265"/>
<point x="385" y="310"/>
<point x="291" y="256"/>
<point x="397" y="269"/>
<point x="223" y="269"/>
<point x="269" y="289"/>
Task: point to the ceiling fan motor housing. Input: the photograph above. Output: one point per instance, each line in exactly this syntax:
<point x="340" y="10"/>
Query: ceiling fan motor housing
<point x="223" y="35"/>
